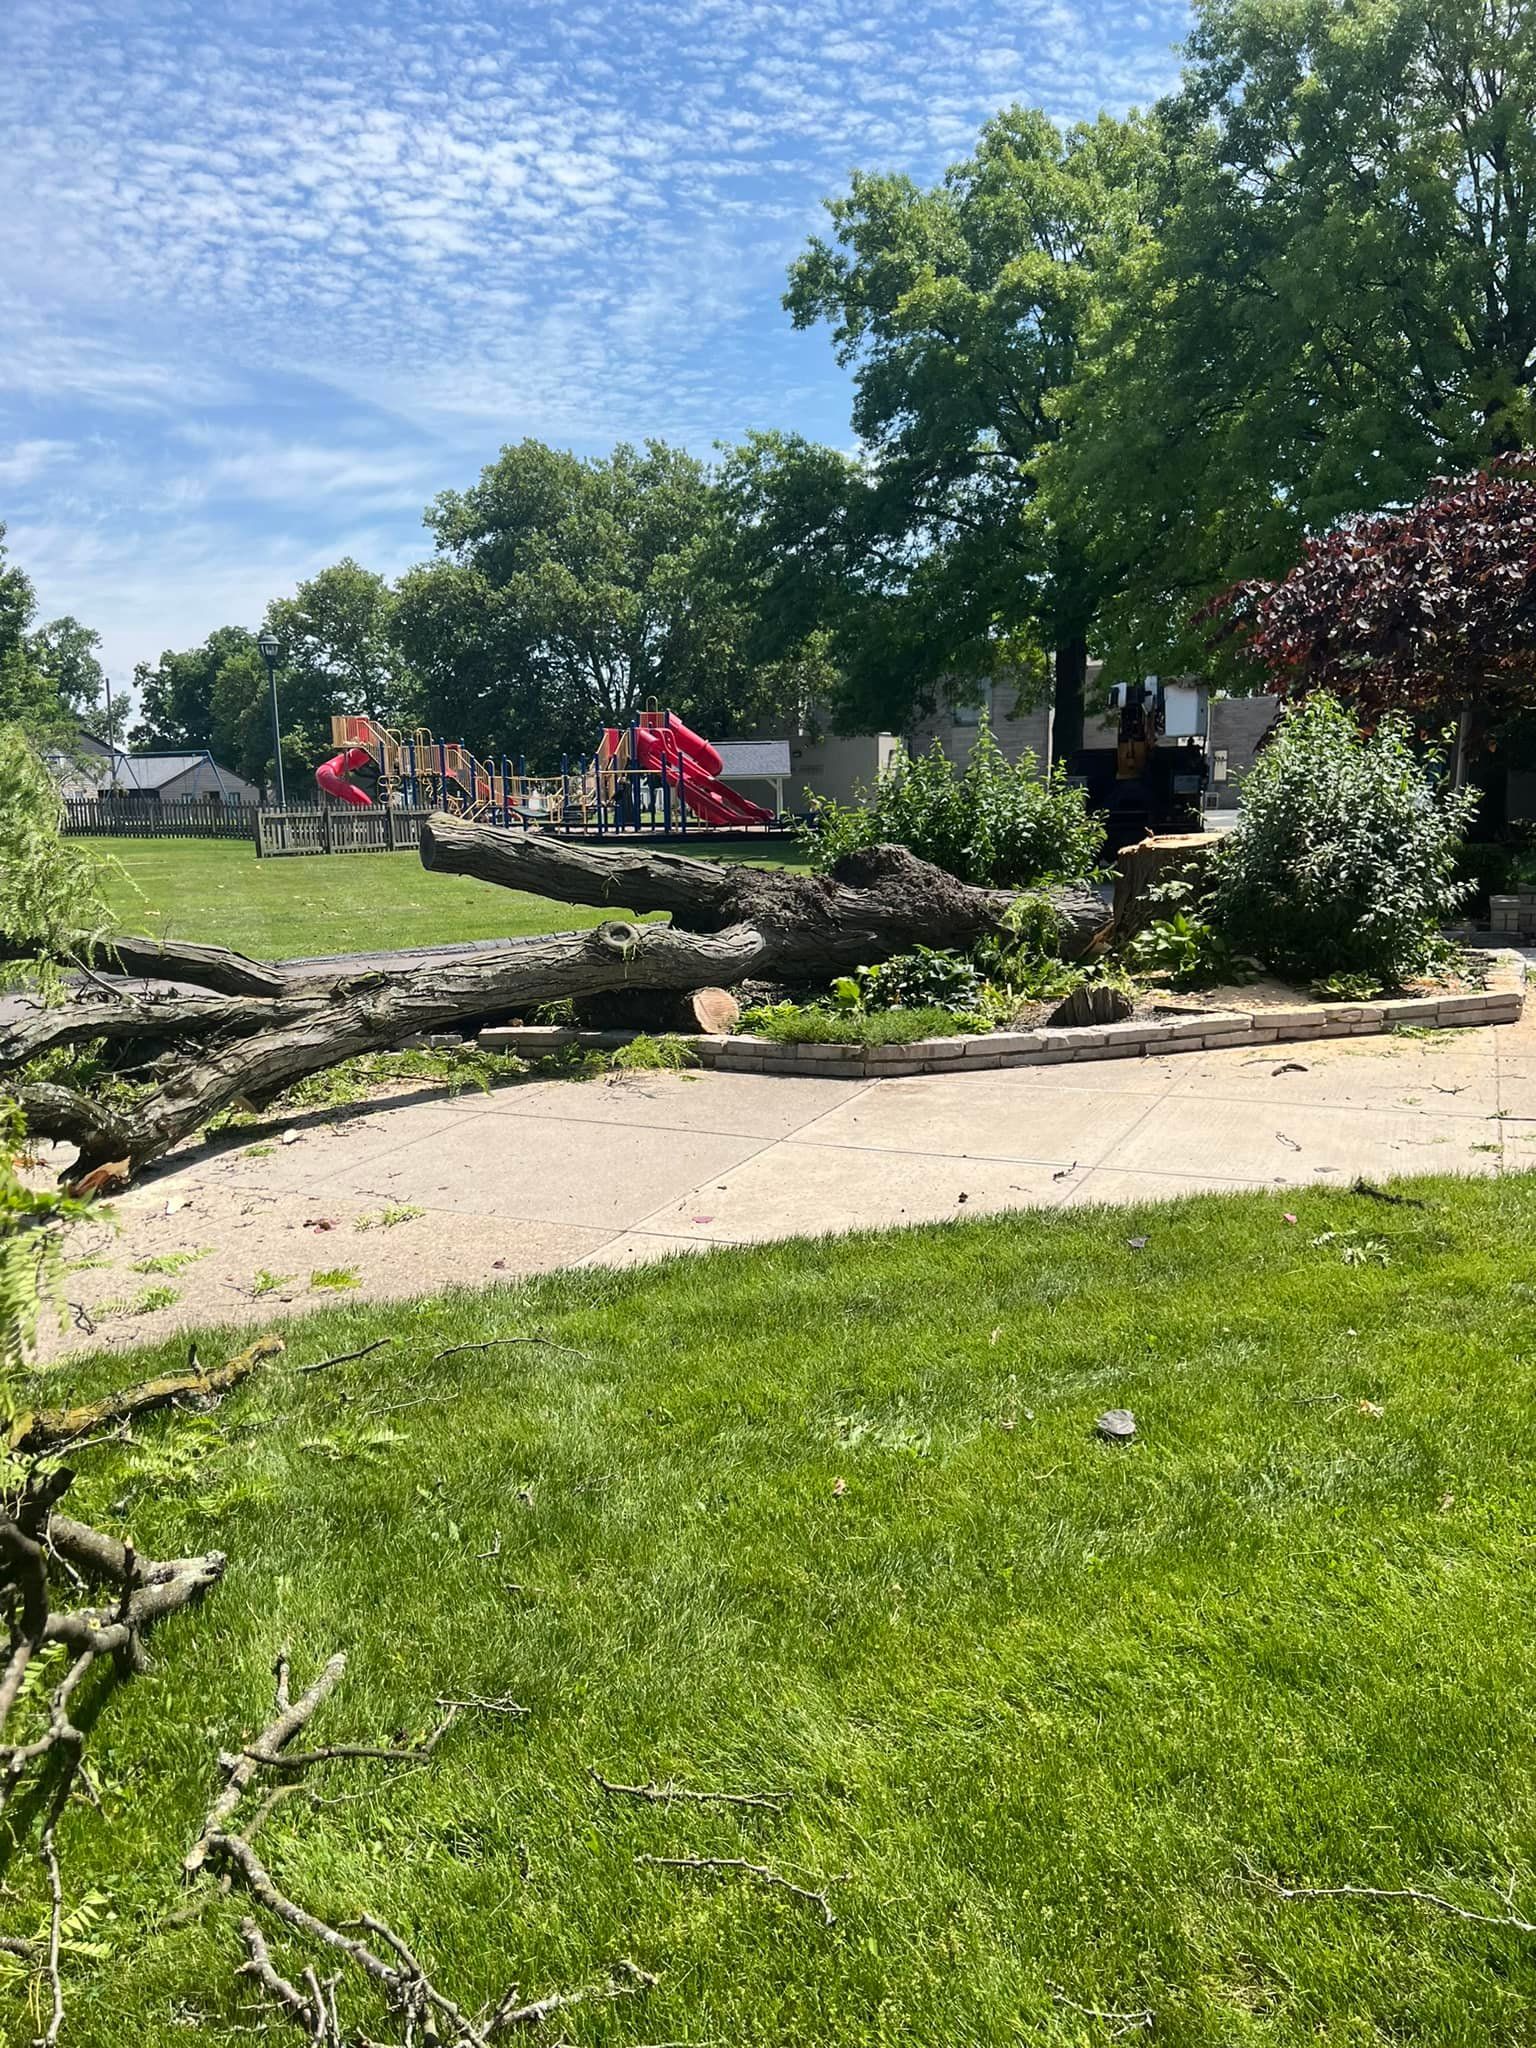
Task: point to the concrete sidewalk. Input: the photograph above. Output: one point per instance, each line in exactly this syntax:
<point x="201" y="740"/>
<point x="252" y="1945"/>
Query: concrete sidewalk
<point x="423" y="1190"/>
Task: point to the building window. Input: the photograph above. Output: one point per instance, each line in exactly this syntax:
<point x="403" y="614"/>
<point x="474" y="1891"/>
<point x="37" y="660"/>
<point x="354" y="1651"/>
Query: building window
<point x="967" y="714"/>
<point x="1219" y="765"/>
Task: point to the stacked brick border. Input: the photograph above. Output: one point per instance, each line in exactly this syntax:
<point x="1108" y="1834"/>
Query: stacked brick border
<point x="1500" y="1001"/>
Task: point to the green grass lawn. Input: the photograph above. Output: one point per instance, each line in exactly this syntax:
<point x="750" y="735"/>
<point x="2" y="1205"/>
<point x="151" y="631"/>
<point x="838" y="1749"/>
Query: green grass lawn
<point x="833" y="1519"/>
<point x="216" y="892"/>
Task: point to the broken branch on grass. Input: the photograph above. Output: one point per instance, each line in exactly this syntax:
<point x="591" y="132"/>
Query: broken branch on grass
<point x="54" y="1428"/>
<point x="309" y="2012"/>
<point x="55" y="1925"/>
<point x="343" y="1357"/>
<point x="490" y="1344"/>
<point x="760" y="1871"/>
<point x="274" y="1738"/>
<point x="774" y="1802"/>
<point x="536" y="2011"/>
<point x="1119" y="2023"/>
<point x="335" y="1752"/>
<point x="1401" y="1894"/>
<point x="1375" y="1194"/>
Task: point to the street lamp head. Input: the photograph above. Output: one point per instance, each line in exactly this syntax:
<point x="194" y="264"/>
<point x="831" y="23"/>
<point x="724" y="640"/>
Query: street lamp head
<point x="268" y="645"/>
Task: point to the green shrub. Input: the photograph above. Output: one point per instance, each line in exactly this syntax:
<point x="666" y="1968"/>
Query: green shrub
<point x="1345" y="859"/>
<point x="923" y="979"/>
<point x="991" y="822"/>
<point x="50" y="887"/>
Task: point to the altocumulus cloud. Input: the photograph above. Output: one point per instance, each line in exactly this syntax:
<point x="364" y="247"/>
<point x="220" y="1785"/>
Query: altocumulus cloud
<point x="277" y="273"/>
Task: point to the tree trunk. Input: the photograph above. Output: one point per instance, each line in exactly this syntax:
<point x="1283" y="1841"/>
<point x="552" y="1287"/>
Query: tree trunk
<point x="270" y="1026"/>
<point x="876" y="902"/>
<point x="1070" y="698"/>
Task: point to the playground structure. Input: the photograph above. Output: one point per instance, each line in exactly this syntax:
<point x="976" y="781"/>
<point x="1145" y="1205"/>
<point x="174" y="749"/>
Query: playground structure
<point x="653" y="775"/>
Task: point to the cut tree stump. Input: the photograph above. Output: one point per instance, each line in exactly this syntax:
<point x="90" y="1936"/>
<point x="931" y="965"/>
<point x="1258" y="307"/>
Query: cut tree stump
<point x="1162" y="857"/>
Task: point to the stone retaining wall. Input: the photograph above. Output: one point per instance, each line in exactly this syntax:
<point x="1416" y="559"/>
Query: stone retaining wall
<point x="1500" y="1002"/>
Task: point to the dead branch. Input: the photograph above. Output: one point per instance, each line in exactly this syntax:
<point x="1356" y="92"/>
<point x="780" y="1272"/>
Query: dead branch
<point x="49" y="2038"/>
<point x="490" y="1344"/>
<point x="406" y="1987"/>
<point x="274" y="1738"/>
<point x="1406" y="1894"/>
<point x="1118" y="2023"/>
<point x="627" y="1981"/>
<point x="760" y="1871"/>
<point x="309" y="2012"/>
<point x="301" y="1759"/>
<point x="343" y="1357"/>
<point x="50" y="1428"/>
<point x="475" y="1704"/>
<point x="665" y="1795"/>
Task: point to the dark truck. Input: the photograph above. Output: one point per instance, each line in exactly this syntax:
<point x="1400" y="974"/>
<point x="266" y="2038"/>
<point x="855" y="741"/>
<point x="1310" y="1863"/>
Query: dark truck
<point x="1149" y="780"/>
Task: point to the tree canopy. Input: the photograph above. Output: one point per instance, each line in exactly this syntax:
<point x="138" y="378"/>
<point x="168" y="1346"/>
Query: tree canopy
<point x="959" y="309"/>
<point x="1337" y="298"/>
<point x="568" y="591"/>
<point x="1431" y="609"/>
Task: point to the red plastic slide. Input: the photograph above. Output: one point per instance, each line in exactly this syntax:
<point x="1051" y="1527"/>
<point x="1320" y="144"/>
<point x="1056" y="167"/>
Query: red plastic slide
<point x="332" y="776"/>
<point x="688" y="761"/>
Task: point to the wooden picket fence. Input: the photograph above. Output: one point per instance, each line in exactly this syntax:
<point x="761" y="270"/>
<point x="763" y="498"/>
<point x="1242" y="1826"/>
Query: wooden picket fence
<point x="103" y="818"/>
<point x="377" y="830"/>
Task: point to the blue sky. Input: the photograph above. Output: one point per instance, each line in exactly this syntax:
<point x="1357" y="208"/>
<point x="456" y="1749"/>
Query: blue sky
<point x="276" y="273"/>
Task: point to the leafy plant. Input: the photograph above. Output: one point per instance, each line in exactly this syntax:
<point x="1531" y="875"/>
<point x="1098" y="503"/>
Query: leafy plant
<point x="51" y="901"/>
<point x="389" y="1218"/>
<point x="333" y="1279"/>
<point x="822" y="1024"/>
<point x="993" y="821"/>
<point x="925" y="978"/>
<point x="32" y="1222"/>
<point x="167" y="1262"/>
<point x="1345" y="859"/>
<point x="666" y="1053"/>
<point x="269" y="1283"/>
<point x="1185" y="952"/>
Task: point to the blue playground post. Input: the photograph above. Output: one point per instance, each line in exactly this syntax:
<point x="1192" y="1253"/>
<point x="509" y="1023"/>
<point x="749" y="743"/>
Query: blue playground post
<point x="682" y="796"/>
<point x="506" y="791"/>
<point x="442" y="774"/>
<point x="522" y="797"/>
<point x="565" y="790"/>
<point x="597" y="784"/>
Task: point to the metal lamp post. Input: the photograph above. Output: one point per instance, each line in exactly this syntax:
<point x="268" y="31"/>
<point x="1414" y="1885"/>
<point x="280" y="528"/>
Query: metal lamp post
<point x="267" y="646"/>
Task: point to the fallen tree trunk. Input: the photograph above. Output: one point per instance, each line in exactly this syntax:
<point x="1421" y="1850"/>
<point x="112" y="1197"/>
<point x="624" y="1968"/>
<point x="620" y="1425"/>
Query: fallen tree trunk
<point x="255" y="1047"/>
<point x="258" y="1029"/>
<point x="876" y="902"/>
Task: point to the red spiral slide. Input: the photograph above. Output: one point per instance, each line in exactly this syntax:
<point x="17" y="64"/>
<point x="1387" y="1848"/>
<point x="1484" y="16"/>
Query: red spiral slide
<point x="691" y="764"/>
<point x="332" y="776"/>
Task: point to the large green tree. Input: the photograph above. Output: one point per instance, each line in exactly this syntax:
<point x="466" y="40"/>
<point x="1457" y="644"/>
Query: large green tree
<point x="30" y="697"/>
<point x="1339" y="300"/>
<point x="569" y="591"/>
<point x="959" y="310"/>
<point x="176" y="692"/>
<point x="68" y="654"/>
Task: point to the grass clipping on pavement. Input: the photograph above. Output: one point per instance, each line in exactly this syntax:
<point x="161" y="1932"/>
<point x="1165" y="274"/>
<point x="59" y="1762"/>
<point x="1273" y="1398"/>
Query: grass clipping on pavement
<point x="1030" y="1735"/>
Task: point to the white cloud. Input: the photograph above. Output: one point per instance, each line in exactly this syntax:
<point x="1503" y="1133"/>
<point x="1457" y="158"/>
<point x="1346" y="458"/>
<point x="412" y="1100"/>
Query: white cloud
<point x="571" y="221"/>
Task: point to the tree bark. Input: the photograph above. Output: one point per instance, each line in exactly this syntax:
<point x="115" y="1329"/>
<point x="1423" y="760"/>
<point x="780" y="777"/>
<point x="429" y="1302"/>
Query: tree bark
<point x="1071" y="684"/>
<point x="267" y="1027"/>
<point x="876" y="902"/>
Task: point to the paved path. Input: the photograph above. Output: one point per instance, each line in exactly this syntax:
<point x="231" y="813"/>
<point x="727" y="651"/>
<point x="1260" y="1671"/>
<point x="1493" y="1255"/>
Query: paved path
<point x="615" y="1171"/>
